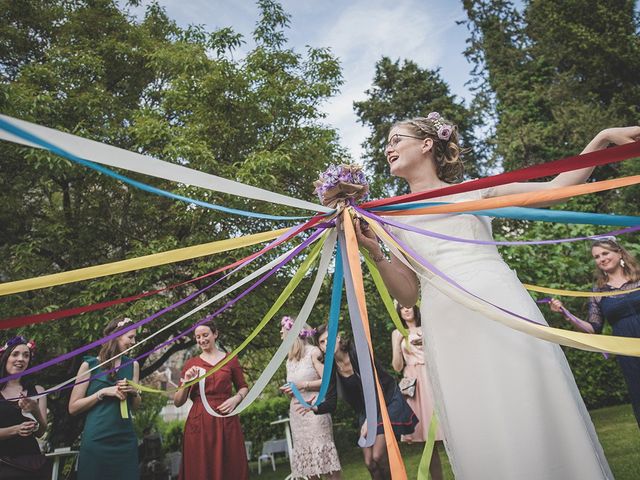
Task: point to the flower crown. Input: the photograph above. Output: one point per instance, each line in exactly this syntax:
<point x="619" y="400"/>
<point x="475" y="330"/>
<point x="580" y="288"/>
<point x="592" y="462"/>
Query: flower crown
<point x="123" y="322"/>
<point x="287" y="324"/>
<point x="444" y="129"/>
<point x="19" y="340"/>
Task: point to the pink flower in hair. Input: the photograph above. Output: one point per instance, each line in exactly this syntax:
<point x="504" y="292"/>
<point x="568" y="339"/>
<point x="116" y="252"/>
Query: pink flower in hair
<point x="433" y="116"/>
<point x="444" y="132"/>
<point x="286" y="322"/>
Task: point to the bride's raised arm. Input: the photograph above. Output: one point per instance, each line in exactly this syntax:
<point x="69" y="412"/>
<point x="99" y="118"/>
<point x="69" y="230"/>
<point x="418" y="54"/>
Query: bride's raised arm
<point x="615" y="136"/>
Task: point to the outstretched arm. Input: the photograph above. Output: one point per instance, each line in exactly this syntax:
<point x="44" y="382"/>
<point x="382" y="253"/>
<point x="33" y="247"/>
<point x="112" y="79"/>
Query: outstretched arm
<point x="615" y="136"/>
<point x="399" y="279"/>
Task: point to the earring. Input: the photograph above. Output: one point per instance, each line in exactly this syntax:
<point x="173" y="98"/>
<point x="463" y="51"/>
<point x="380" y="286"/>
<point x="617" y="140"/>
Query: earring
<point x="622" y="264"/>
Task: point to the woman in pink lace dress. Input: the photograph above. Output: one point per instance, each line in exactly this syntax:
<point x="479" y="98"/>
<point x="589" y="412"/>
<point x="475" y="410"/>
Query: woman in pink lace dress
<point x="408" y="358"/>
<point x="314" y="453"/>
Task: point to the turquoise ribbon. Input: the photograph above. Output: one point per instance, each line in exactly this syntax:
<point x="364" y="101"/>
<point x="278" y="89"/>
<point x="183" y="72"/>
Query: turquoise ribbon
<point x="332" y="334"/>
<point x="539" y="214"/>
<point x="17" y="131"/>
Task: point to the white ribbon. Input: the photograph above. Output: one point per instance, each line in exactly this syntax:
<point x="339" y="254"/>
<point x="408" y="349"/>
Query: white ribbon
<point x="117" y="157"/>
<point x="225" y="292"/>
<point x="287" y="343"/>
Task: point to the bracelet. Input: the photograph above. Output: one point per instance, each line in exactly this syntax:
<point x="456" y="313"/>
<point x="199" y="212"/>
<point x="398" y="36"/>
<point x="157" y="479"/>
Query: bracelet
<point x="240" y="395"/>
<point x="378" y="258"/>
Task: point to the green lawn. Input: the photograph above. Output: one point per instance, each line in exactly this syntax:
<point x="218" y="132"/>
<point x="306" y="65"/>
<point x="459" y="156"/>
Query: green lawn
<point x="616" y="427"/>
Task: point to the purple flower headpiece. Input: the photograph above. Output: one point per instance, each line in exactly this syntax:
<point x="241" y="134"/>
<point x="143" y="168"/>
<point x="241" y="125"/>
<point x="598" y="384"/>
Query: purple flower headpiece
<point x="339" y="183"/>
<point x="19" y="340"/>
<point x="304" y="333"/>
<point x="444" y="129"/>
<point x="287" y="324"/>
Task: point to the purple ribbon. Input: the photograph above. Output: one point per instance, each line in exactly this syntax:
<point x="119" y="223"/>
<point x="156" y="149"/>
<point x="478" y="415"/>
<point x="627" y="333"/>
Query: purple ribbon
<point x="442" y="236"/>
<point x="136" y="325"/>
<point x="572" y="318"/>
<point x="230" y="303"/>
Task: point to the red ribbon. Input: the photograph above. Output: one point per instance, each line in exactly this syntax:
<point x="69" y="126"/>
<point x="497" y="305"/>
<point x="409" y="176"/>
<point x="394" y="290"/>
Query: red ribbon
<point x="15" y="322"/>
<point x="591" y="159"/>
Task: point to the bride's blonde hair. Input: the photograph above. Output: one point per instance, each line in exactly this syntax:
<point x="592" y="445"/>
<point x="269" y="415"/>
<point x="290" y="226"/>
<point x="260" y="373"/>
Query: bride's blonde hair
<point x="447" y="151"/>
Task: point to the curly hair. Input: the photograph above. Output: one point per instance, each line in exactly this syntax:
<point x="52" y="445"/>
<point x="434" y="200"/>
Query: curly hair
<point x="447" y="153"/>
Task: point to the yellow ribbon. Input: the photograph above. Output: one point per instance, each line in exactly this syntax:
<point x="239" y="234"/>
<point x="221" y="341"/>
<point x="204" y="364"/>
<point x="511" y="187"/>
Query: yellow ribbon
<point x="583" y="341"/>
<point x="575" y="293"/>
<point x="384" y="294"/>
<point x="286" y="293"/>
<point x="138" y="263"/>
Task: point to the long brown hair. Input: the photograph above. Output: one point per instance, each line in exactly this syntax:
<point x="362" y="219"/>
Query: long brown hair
<point x="631" y="267"/>
<point x="110" y="348"/>
<point x="416" y="315"/>
<point x="4" y="358"/>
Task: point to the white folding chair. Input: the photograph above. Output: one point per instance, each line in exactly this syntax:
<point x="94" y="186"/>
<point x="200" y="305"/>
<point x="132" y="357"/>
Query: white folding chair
<point x="265" y="456"/>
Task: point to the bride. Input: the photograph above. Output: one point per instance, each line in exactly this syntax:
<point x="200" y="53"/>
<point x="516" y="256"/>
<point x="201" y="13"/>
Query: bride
<point x="507" y="403"/>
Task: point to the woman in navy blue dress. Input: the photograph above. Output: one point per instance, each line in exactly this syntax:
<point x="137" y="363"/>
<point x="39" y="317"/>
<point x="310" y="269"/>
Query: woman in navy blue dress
<point x="616" y="270"/>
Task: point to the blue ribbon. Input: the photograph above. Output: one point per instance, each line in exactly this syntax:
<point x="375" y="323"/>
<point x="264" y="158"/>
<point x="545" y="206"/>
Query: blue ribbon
<point x="332" y="334"/>
<point x="17" y="131"/>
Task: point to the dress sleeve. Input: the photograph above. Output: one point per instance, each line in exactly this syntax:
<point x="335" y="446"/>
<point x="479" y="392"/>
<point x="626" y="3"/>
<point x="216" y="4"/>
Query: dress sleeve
<point x="237" y="374"/>
<point x="596" y="319"/>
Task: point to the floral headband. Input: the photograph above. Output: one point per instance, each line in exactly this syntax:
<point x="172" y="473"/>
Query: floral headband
<point x="123" y="322"/>
<point x="19" y="340"/>
<point x="444" y="129"/>
<point x="287" y="324"/>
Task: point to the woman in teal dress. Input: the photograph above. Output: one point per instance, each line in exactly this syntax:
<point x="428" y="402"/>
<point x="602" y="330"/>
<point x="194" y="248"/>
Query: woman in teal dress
<point x="109" y="446"/>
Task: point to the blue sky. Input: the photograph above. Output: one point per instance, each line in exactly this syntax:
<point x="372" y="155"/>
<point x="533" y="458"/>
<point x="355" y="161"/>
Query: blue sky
<point x="359" y="33"/>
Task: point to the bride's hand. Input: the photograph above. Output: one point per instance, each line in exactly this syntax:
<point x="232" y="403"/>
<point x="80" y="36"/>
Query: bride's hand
<point x="622" y="135"/>
<point x="366" y="238"/>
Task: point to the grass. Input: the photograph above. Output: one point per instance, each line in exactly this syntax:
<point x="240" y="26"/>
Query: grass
<point x="616" y="426"/>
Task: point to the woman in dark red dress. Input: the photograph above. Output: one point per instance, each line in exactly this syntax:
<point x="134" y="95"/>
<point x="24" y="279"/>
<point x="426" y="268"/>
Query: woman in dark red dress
<point x="213" y="447"/>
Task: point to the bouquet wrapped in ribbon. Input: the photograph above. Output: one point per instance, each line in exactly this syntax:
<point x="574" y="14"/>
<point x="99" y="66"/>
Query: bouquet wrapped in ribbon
<point x="340" y="184"/>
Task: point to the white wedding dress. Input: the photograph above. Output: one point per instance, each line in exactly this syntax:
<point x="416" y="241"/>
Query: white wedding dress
<point x="507" y="403"/>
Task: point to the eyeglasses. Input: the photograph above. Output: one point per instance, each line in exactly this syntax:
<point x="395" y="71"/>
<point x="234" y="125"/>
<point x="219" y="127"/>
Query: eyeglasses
<point x="395" y="139"/>
<point x="604" y="238"/>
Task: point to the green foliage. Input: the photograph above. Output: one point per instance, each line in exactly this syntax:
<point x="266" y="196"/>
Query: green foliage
<point x="172" y="433"/>
<point x="180" y="95"/>
<point x="256" y="419"/>
<point x="148" y="413"/>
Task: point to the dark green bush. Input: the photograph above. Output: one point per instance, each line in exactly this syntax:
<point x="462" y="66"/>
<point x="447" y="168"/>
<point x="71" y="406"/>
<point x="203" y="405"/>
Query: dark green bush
<point x="600" y="381"/>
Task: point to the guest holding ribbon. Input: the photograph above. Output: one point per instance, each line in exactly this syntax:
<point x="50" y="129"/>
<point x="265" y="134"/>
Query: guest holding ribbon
<point x="346" y="379"/>
<point x="109" y="446"/>
<point x="507" y="402"/>
<point x="616" y="270"/>
<point x="408" y="358"/>
<point x="314" y="452"/>
<point x="22" y="417"/>
<point x="213" y="447"/>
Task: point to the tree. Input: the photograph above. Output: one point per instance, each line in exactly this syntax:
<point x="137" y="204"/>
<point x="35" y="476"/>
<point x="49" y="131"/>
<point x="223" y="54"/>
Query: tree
<point x="550" y="77"/>
<point x="403" y="91"/>
<point x="89" y="68"/>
